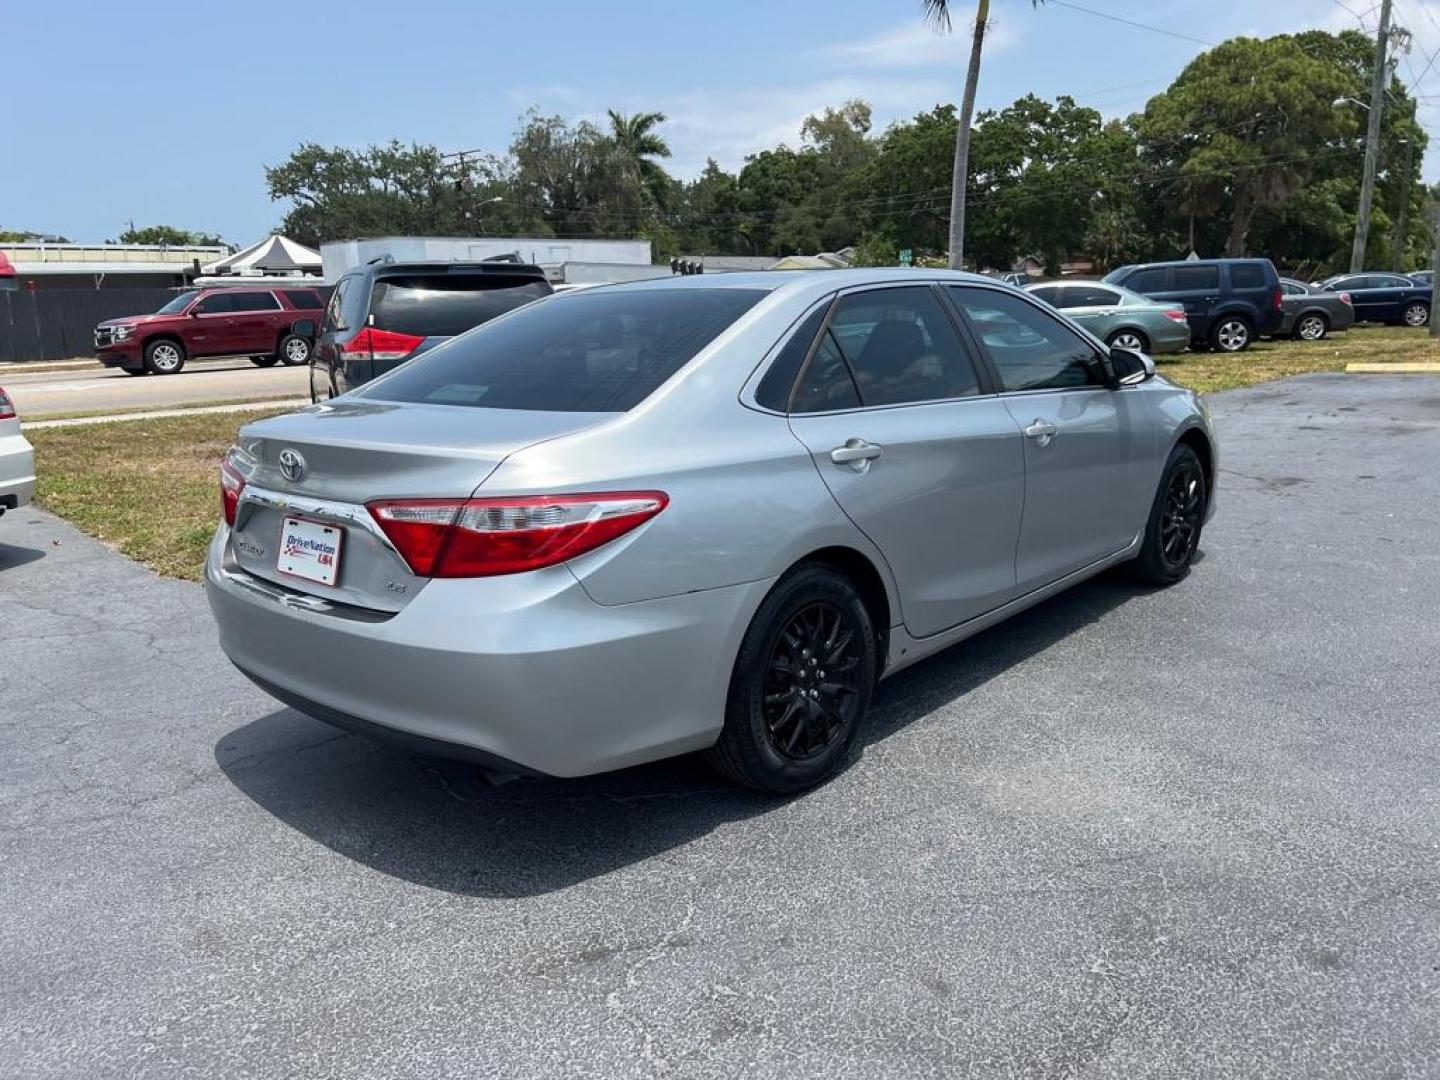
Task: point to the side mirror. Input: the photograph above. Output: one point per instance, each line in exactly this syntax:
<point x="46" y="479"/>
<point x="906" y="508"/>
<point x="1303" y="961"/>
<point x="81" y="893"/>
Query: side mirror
<point x="1129" y="368"/>
<point x="303" y="327"/>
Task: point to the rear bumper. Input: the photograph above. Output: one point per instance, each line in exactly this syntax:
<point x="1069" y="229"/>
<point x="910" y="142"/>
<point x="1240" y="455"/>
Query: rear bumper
<point x="17" y="472"/>
<point x="523" y="672"/>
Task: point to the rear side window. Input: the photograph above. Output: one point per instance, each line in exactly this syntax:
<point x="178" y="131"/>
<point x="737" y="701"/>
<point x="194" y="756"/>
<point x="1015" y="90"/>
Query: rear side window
<point x="591" y="351"/>
<point x="304" y="299"/>
<point x="443" y="305"/>
<point x="1156" y="279"/>
<point x="1196" y="277"/>
<point x="902" y="347"/>
<point x="1090" y="296"/>
<point x="1247" y="276"/>
<point x="256" y="301"/>
<point x="774" y="389"/>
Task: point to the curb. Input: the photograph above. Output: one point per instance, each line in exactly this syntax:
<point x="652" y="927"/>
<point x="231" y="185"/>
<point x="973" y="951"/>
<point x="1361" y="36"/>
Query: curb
<point x="161" y="414"/>
<point x="1407" y="367"/>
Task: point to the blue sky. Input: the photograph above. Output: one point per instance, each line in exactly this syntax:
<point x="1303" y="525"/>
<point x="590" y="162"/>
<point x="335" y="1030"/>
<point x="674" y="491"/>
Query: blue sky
<point x="168" y="112"/>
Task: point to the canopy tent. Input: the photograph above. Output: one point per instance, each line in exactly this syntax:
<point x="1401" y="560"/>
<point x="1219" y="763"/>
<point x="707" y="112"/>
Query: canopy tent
<point x="273" y="255"/>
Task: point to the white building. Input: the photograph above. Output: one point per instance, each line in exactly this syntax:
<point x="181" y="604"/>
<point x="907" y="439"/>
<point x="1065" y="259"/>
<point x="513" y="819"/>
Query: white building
<point x="338" y="256"/>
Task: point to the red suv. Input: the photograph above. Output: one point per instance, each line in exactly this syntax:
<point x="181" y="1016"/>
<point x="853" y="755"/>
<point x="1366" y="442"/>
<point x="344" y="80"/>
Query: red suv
<point x="222" y="321"/>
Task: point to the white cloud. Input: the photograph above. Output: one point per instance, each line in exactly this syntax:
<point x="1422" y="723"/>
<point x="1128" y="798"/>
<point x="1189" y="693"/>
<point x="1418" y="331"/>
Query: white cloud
<point x="920" y="45"/>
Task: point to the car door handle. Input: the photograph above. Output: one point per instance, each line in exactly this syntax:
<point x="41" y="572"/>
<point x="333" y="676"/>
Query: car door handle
<point x="1042" y="431"/>
<point x="857" y="453"/>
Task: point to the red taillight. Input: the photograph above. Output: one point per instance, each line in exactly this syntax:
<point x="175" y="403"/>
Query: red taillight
<point x="7" y="407"/>
<point x="1345" y="299"/>
<point x="381" y="344"/>
<point x="231" y="485"/>
<point x="1278" y="299"/>
<point x="483" y="537"/>
<point x="1176" y="315"/>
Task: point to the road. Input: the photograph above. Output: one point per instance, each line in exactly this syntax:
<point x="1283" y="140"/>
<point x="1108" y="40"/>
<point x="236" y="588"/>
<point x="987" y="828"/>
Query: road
<point x="1191" y="832"/>
<point x="99" y="389"/>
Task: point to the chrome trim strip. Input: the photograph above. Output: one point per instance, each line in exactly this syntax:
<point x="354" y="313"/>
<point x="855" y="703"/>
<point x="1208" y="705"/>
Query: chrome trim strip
<point x="350" y="514"/>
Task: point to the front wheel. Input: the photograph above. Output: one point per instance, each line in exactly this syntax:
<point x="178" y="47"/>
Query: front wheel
<point x="164" y="357"/>
<point x="294" y="350"/>
<point x="1311" y="327"/>
<point x="801" y="684"/>
<point x="1128" y="339"/>
<point x="1231" y="334"/>
<point x="1172" y="534"/>
<point x="1417" y="313"/>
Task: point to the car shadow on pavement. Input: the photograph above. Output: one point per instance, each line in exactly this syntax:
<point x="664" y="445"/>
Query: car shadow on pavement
<point x="441" y="824"/>
<point x="12" y="555"/>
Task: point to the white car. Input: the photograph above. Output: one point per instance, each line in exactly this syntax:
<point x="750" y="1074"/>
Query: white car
<point x="17" y="460"/>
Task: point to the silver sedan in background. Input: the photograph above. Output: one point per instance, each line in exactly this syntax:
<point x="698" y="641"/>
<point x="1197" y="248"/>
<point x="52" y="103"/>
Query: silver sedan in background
<point x="1118" y="316"/>
<point x="698" y="513"/>
<point x="17" y="459"/>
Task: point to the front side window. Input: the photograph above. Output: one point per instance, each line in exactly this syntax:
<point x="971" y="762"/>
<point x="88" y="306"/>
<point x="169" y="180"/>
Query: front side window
<point x="1030" y="349"/>
<point x="901" y="347"/>
<point x="334" y="311"/>
<point x="603" y="350"/>
<point x="216" y="304"/>
<point x="1196" y="277"/>
<point x="1156" y="279"/>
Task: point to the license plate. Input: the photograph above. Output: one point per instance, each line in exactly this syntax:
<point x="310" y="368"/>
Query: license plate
<point x="310" y="550"/>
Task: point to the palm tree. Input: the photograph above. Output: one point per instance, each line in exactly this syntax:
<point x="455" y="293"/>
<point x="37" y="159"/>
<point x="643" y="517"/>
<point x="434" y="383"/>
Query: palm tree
<point x="938" y="12"/>
<point x="639" y="146"/>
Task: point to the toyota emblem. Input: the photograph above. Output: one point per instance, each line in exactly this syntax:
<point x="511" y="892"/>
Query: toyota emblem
<point x="292" y="464"/>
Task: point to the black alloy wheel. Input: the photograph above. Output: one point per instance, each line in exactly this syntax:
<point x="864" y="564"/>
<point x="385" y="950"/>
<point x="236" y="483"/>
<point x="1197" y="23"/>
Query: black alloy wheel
<point x="811" y="688"/>
<point x="1172" y="535"/>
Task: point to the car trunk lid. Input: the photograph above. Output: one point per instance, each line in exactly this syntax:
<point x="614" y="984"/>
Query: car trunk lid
<point x="323" y="464"/>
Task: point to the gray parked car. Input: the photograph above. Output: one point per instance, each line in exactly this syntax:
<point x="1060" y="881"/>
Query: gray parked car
<point x="17" y="460"/>
<point x="698" y="513"/>
<point x="1118" y="316"/>
<point x="1311" y="313"/>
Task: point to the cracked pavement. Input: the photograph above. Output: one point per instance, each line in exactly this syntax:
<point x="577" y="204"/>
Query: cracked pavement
<point x="1182" y="833"/>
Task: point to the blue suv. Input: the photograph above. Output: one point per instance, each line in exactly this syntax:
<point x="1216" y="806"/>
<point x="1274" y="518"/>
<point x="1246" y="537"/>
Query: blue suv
<point x="1228" y="302"/>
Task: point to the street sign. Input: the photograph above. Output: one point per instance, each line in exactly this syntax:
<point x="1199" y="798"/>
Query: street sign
<point x="906" y="255"/>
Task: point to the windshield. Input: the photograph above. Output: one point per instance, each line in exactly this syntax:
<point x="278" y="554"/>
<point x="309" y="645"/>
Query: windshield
<point x="179" y="304"/>
<point x="602" y="351"/>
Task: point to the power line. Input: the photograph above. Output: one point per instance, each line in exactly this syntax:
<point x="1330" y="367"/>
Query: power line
<point x="1130" y="22"/>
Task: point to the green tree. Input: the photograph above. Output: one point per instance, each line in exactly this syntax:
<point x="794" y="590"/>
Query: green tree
<point x="168" y="234"/>
<point x="1245" y="125"/>
<point x="639" y="146"/>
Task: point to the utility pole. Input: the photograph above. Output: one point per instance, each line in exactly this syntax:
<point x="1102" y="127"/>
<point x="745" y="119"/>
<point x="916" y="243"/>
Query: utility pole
<point x="1372" y="141"/>
<point x="1399" y="265"/>
<point x="1435" y="254"/>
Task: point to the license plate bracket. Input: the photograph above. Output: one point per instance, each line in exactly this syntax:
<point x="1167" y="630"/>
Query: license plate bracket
<point x="310" y="550"/>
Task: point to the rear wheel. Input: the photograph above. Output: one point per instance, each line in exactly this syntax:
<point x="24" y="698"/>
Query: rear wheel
<point x="1231" y="334"/>
<point x="1312" y="326"/>
<point x="801" y="684"/>
<point x="1133" y="340"/>
<point x="1172" y="535"/>
<point x="164" y="356"/>
<point x="1417" y="313"/>
<point x="294" y="350"/>
<point x="264" y="361"/>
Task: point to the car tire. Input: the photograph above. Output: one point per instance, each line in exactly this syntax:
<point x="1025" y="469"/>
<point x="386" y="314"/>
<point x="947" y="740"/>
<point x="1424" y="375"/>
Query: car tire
<point x="264" y="361"/>
<point x="1416" y="313"/>
<point x="293" y="350"/>
<point x="789" y="722"/>
<point x="1312" y="326"/>
<point x="1232" y="334"/>
<point x="1177" y="517"/>
<point x="164" y="356"/>
<point x="1129" y="339"/>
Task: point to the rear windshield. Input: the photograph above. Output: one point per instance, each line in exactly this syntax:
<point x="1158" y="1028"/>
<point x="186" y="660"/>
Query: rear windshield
<point x="586" y="352"/>
<point x="442" y="305"/>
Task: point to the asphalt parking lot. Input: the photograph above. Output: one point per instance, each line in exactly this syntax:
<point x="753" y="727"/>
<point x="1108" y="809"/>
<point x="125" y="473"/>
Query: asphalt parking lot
<point x="1182" y="833"/>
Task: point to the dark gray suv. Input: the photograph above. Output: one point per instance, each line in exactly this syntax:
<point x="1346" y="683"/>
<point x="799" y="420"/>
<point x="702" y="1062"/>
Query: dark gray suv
<point x="384" y="313"/>
<point x="1228" y="302"/>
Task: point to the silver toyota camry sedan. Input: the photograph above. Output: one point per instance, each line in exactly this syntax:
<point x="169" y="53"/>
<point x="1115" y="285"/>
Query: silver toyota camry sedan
<point x="699" y="513"/>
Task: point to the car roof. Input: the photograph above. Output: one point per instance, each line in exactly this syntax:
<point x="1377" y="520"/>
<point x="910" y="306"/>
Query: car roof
<point x="795" y="281"/>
